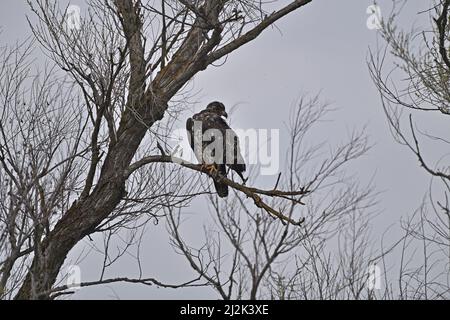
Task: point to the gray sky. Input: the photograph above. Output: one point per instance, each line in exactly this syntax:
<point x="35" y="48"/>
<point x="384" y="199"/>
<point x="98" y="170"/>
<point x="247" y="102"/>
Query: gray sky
<point x="322" y="47"/>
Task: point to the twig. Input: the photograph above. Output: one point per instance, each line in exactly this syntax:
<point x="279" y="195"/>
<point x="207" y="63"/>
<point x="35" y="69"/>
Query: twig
<point x="250" y="192"/>
<point x="147" y="281"/>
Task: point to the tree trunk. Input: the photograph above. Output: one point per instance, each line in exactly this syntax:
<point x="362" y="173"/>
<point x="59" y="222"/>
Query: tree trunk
<point x="83" y="217"/>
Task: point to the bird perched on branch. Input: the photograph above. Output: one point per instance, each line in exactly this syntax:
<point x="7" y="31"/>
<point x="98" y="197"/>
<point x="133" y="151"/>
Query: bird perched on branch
<point x="215" y="144"/>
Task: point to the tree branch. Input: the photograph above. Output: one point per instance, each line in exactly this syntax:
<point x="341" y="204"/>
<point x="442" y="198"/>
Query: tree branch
<point x="250" y="192"/>
<point x="442" y="25"/>
<point x="147" y="281"/>
<point x="256" y="31"/>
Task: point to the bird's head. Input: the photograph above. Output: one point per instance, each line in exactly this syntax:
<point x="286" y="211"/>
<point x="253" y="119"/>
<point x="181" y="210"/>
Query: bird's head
<point x="217" y="108"/>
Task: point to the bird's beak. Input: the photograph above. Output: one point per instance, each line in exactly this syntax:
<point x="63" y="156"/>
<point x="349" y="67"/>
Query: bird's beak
<point x="225" y="114"/>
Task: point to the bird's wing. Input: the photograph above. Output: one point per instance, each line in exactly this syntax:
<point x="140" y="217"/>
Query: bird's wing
<point x="195" y="138"/>
<point x="232" y="150"/>
<point x="198" y="145"/>
<point x="189" y="129"/>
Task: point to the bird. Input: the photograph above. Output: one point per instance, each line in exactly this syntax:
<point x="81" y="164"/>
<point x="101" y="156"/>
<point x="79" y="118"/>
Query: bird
<point x="206" y="130"/>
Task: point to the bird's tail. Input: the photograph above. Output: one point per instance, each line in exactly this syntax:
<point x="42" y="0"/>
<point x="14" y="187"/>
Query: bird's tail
<point x="221" y="188"/>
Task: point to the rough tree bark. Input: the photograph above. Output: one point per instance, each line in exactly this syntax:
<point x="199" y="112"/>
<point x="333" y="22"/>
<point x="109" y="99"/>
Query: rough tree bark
<point x="150" y="102"/>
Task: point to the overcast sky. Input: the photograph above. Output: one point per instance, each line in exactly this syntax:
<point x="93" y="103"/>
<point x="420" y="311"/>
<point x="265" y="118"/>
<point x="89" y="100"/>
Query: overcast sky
<point x="321" y="47"/>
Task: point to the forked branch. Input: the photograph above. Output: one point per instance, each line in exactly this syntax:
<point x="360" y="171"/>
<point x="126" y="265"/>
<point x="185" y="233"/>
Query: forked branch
<point x="250" y="192"/>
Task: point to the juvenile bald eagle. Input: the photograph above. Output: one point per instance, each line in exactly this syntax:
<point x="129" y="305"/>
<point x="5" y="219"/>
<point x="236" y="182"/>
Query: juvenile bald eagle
<point x="215" y="144"/>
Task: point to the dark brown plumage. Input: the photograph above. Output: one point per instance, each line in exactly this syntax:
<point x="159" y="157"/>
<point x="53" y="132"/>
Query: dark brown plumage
<point x="206" y="130"/>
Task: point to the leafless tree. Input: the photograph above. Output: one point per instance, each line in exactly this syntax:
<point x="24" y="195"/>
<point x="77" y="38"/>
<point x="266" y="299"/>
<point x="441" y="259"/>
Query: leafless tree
<point x="83" y="146"/>
<point x="331" y="256"/>
<point x="415" y="86"/>
<point x="248" y="255"/>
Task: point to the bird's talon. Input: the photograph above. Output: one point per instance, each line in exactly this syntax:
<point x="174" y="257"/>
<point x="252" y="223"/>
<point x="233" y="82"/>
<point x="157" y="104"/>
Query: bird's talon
<point x="210" y="168"/>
